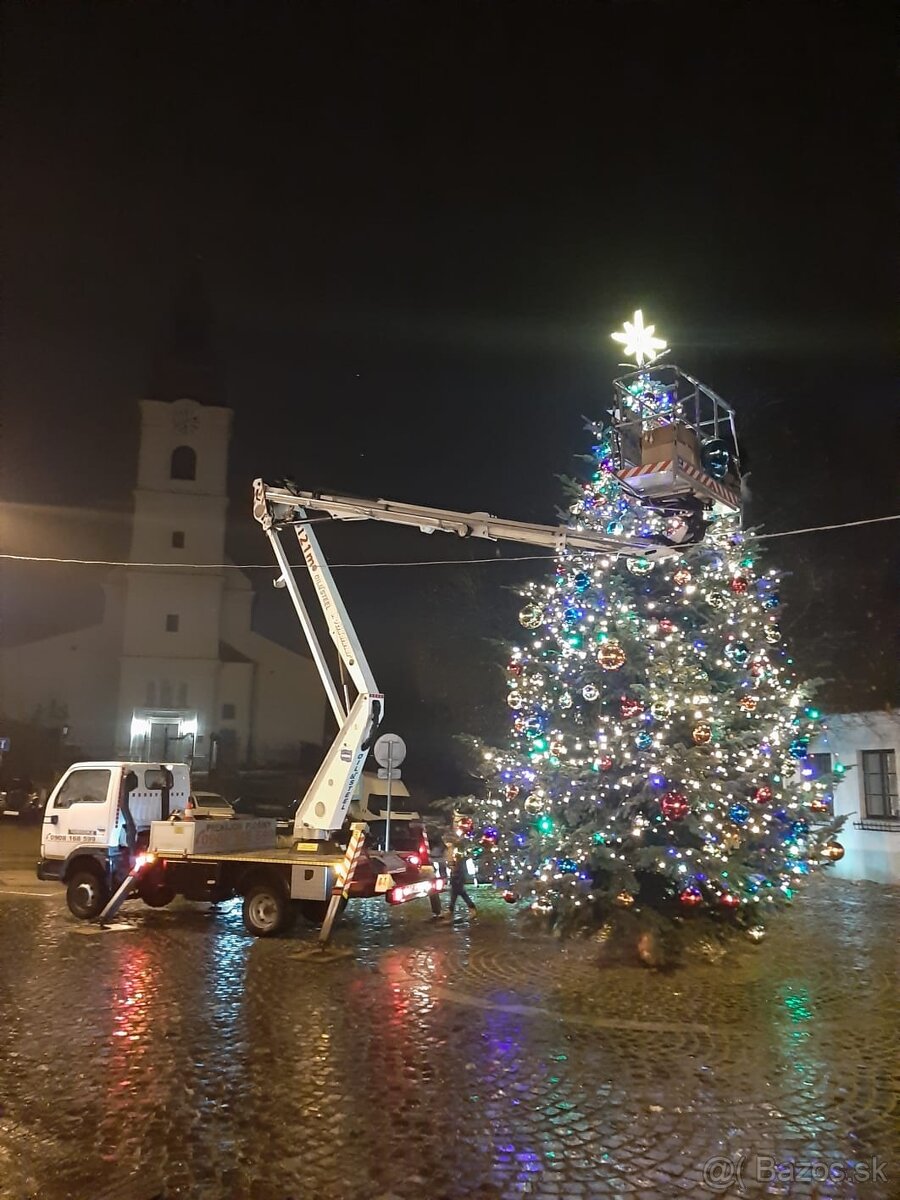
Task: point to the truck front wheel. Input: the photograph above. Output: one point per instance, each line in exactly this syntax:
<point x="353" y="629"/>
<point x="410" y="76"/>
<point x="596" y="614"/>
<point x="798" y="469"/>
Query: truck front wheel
<point x="267" y="909"/>
<point x="86" y="894"/>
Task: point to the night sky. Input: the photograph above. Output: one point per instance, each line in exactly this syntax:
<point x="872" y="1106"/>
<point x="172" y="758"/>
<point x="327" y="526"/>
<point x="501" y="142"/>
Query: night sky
<point x="416" y="225"/>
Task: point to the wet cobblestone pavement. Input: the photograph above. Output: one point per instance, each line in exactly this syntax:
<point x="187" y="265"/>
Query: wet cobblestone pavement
<point x="178" y="1058"/>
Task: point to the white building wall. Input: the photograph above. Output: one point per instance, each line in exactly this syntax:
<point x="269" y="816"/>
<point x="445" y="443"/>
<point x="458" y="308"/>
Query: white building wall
<point x="872" y="854"/>
<point x="78" y="670"/>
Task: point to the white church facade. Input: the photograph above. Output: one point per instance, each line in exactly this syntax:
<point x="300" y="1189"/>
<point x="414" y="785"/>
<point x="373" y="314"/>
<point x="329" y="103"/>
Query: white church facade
<point x="174" y="670"/>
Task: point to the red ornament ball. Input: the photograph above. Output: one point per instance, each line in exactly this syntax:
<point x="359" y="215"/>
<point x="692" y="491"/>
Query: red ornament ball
<point x="729" y="900"/>
<point x="674" y="805"/>
<point x="629" y="707"/>
<point x="739" y="585"/>
<point x="465" y="825"/>
<point x="666" y="626"/>
<point x="757" y="670"/>
<point x="515" y="668"/>
<point x="762" y="794"/>
<point x="691" y="897"/>
<point x="512" y="791"/>
<point x="604" y="762"/>
<point x="511" y="897"/>
<point x="748" y="704"/>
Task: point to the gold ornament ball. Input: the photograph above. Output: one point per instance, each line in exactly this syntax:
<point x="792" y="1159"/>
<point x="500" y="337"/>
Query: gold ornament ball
<point x="832" y="851"/>
<point x="624" y="900"/>
<point x="531" y="616"/>
<point x="756" y="933"/>
<point x="681" y="577"/>
<point x="514" y="699"/>
<point x="534" y="804"/>
<point x="557" y="747"/>
<point x="748" y="704"/>
<point x="701" y="734"/>
<point x="611" y="656"/>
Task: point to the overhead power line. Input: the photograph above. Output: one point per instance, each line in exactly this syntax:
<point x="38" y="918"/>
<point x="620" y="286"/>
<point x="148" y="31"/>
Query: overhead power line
<point x="428" y="562"/>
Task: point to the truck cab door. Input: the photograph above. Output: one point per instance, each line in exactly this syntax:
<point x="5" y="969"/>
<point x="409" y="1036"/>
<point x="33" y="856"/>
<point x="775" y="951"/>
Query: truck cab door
<point x="80" y="812"/>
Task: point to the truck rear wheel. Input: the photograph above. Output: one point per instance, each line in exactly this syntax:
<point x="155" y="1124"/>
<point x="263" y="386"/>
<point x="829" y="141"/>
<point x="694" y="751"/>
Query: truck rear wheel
<point x="86" y="894"/>
<point x="154" y="889"/>
<point x="267" y="909"/>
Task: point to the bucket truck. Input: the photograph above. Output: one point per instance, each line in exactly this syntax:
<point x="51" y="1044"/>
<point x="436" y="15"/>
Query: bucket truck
<point x="112" y="829"/>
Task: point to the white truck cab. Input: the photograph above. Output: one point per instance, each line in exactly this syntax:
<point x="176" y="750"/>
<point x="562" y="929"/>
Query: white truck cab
<point x="85" y="828"/>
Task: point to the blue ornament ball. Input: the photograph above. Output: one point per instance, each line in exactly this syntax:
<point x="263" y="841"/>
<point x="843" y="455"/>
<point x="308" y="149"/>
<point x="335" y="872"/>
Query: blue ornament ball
<point x="771" y="601"/>
<point x="737" y="652"/>
<point x="582" y="581"/>
<point x="799" y="747"/>
<point x="739" y="814"/>
<point x="643" y="741"/>
<point x="716" y="458"/>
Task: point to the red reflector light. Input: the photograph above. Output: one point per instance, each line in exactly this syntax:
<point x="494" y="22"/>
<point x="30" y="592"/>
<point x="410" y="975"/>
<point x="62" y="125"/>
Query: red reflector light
<point x="413" y="860"/>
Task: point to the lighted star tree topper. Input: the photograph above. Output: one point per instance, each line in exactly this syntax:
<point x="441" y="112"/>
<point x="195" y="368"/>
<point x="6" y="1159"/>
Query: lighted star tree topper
<point x="641" y="346"/>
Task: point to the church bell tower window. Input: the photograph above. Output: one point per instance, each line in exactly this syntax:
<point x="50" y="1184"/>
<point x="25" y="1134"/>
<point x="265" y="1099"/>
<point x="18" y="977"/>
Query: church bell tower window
<point x="184" y="463"/>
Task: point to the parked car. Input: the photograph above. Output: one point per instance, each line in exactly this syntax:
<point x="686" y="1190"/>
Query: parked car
<point x="211" y="804"/>
<point x="282" y="811"/>
<point x="19" y="799"/>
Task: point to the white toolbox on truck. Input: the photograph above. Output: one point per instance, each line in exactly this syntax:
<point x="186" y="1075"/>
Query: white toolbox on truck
<point x="213" y="837"/>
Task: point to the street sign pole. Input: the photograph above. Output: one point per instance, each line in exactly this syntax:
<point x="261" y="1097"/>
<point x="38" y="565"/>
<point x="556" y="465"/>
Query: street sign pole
<point x="390" y="772"/>
<point x="390" y="752"/>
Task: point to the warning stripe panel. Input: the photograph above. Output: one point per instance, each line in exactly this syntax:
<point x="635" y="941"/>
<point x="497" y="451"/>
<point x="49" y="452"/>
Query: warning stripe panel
<point x="679" y="466"/>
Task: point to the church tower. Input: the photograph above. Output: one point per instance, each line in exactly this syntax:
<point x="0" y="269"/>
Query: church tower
<point x="170" y="655"/>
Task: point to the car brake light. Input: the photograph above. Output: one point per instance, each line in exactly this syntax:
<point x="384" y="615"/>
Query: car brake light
<point x="423" y="852"/>
<point x="144" y="860"/>
<point x="413" y="860"/>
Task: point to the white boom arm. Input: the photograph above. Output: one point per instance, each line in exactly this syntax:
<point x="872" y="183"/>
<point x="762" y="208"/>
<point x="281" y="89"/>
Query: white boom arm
<point x="325" y="804"/>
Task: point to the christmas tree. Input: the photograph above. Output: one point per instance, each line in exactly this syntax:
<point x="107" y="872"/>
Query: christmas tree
<point x="657" y="768"/>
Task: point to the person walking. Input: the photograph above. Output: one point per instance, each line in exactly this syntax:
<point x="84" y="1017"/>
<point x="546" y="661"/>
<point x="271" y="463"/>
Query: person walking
<point x="457" y="859"/>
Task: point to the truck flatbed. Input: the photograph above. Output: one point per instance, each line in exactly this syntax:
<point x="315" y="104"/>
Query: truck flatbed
<point x="283" y="856"/>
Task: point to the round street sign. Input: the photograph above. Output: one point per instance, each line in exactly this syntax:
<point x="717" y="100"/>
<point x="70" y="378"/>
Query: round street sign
<point x="389" y="746"/>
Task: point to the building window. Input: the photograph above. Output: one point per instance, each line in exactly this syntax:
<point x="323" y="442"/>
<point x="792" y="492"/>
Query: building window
<point x="171" y="622"/>
<point x="879" y="771"/>
<point x="178" y="539"/>
<point x="228" y="712"/>
<point x="165" y="694"/>
<point x="821" y="765"/>
<point x="184" y="463"/>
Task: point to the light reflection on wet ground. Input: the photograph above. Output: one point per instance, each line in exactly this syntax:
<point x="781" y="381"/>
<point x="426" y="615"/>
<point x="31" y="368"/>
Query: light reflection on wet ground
<point x="182" y="1058"/>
